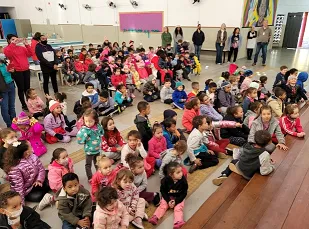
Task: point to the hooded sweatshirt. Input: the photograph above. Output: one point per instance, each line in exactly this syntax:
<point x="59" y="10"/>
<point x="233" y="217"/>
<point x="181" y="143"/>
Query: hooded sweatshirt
<point x="168" y="156"/>
<point x="277" y="106"/>
<point x="254" y="159"/>
<point x="301" y="79"/>
<point x="156" y="146"/>
<point x="94" y="98"/>
<point x="143" y="126"/>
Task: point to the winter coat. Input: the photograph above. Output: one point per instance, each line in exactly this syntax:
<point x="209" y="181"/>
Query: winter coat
<point x="118" y="79"/>
<point x="225" y="99"/>
<point x="174" y="190"/>
<point x="91" y="138"/>
<point x="234" y="132"/>
<point x="274" y="128"/>
<point x="51" y="122"/>
<point x="119" y="97"/>
<point x="166" y="93"/>
<point x="162" y="64"/>
<point x="149" y="87"/>
<point x="246" y="103"/>
<point x="35" y="105"/>
<point x="94" y="98"/>
<point x="113" y="140"/>
<point x="170" y="138"/>
<point x="294" y="93"/>
<point x="144" y="127"/>
<point x="210" y="112"/>
<point x="129" y="198"/>
<point x="187" y="118"/>
<point x="301" y="79"/>
<point x="168" y="156"/>
<point x="89" y="76"/>
<point x="280" y="80"/>
<point x="277" y="106"/>
<point x="72" y="209"/>
<point x="198" y="38"/>
<point x="33" y="135"/>
<point x="29" y="219"/>
<point x="139" y="151"/>
<point x="25" y="174"/>
<point x="179" y="98"/>
<point x="290" y="126"/>
<point x="55" y="173"/>
<point x="79" y="67"/>
<point x="68" y="67"/>
<point x="47" y="57"/>
<point x="249" y="118"/>
<point x="18" y="56"/>
<point x="103" y="219"/>
<point x="254" y="159"/>
<point x="156" y="146"/>
<point x="166" y="39"/>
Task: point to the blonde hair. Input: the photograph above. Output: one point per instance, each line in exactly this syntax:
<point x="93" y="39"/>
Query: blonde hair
<point x="102" y="158"/>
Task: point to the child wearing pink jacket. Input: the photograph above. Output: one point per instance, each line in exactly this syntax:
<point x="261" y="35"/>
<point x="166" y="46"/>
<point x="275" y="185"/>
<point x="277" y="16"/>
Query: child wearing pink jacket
<point x="34" y="103"/>
<point x="157" y="144"/>
<point x="143" y="74"/>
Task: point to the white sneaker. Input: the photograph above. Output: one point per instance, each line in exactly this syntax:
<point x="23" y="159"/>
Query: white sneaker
<point x="236" y="153"/>
<point x="46" y="201"/>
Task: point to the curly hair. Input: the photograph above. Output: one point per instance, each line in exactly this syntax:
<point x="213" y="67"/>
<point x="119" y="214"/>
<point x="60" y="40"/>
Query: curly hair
<point x="105" y="196"/>
<point x="4" y="197"/>
<point x="14" y="154"/>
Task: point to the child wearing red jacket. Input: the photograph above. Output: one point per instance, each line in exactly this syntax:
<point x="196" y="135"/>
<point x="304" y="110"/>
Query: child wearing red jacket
<point x="290" y="122"/>
<point x="157" y="144"/>
<point x="117" y="78"/>
<point x="192" y="109"/>
<point x="112" y="142"/>
<point x="87" y="62"/>
<point x="79" y="67"/>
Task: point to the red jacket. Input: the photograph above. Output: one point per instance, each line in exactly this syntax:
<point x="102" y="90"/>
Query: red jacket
<point x="116" y="80"/>
<point x="18" y="56"/>
<point x="79" y="67"/>
<point x="155" y="61"/>
<point x="81" y="57"/>
<point x="290" y="126"/>
<point x="187" y="118"/>
<point x="191" y="95"/>
<point x="87" y="62"/>
<point x="156" y="146"/>
<point x="113" y="139"/>
<point x="33" y="44"/>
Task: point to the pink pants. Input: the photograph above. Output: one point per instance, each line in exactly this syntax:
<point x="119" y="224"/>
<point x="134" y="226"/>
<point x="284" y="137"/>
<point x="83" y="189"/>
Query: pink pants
<point x="140" y="210"/>
<point x="178" y="210"/>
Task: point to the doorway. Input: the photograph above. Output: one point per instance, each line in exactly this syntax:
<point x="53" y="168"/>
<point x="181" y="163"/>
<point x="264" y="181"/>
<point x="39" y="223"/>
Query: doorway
<point x="292" y="29"/>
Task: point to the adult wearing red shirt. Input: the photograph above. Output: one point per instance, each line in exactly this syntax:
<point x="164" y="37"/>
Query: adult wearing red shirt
<point x="18" y="56"/>
<point x="35" y="40"/>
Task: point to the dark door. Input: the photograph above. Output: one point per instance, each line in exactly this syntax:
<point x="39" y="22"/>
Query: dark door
<point x="292" y="30"/>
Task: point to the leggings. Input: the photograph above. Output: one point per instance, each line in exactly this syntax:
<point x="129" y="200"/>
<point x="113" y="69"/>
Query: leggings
<point x="235" y="51"/>
<point x="22" y="80"/>
<point x="53" y="78"/>
<point x="178" y="211"/>
<point x="37" y="193"/>
<point x="88" y="164"/>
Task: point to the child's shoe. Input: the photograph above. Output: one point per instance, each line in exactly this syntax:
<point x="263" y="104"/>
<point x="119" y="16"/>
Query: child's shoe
<point x="137" y="222"/>
<point x="218" y="181"/>
<point x="145" y="217"/>
<point x="153" y="220"/>
<point x="156" y="200"/>
<point x="179" y="224"/>
<point x="47" y="200"/>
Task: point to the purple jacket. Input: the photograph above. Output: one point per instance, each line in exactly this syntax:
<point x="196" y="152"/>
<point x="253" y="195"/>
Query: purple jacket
<point x="23" y="175"/>
<point x="51" y="122"/>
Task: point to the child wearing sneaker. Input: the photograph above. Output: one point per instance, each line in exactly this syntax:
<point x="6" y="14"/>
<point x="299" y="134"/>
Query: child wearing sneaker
<point x="174" y="188"/>
<point x="129" y="195"/>
<point x="136" y="164"/>
<point x="110" y="212"/>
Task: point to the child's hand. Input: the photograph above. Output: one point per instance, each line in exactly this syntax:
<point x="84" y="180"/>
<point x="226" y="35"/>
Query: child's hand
<point x="238" y="125"/>
<point x="37" y="183"/>
<point x="83" y="223"/>
<point x="301" y="135"/>
<point x="177" y="133"/>
<point x="139" y="144"/>
<point x="282" y="146"/>
<point x="211" y="152"/>
<point x="198" y="162"/>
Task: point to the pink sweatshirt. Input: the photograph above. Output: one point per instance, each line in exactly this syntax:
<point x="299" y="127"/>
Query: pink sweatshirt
<point x="156" y="146"/>
<point x="35" y="105"/>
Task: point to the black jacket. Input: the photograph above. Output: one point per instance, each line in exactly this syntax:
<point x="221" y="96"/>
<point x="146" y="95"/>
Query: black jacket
<point x="294" y="94"/>
<point x="143" y="126"/>
<point x="29" y="219"/>
<point x="46" y="66"/>
<point x="198" y="38"/>
<point x="234" y="132"/>
<point x="177" y="190"/>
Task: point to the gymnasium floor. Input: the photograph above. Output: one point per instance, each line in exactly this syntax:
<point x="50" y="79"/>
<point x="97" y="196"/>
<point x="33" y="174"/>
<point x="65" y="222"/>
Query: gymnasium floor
<point x="292" y="58"/>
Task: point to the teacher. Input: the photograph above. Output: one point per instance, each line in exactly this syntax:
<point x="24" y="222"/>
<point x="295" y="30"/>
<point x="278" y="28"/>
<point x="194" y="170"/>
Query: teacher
<point x="263" y="38"/>
<point x="166" y="37"/>
<point x="220" y="43"/>
<point x="47" y="57"/>
<point x="178" y="35"/>
<point x="18" y="57"/>
<point x="198" y="39"/>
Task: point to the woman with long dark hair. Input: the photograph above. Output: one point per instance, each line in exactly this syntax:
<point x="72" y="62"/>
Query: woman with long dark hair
<point x="35" y="40"/>
<point x="234" y="43"/>
<point x="178" y="35"/>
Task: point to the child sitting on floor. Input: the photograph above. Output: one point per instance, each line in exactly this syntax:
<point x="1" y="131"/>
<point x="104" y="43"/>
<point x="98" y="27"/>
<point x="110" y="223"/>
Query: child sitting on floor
<point x="224" y="99"/>
<point x="117" y="78"/>
<point x="106" y="105"/>
<point x="110" y="212"/>
<point x="280" y="78"/>
<point x="90" y="76"/>
<point x="293" y="91"/>
<point x="179" y="96"/>
<point x="251" y="95"/>
<point x="157" y="144"/>
<point x="74" y="203"/>
<point x="166" y="92"/>
<point x="92" y="94"/>
<point x="174" y="189"/>
<point x="195" y="90"/>
<point x="170" y="132"/>
<point x="254" y="110"/>
<point x="122" y="97"/>
<point x="276" y="102"/>
<point x="211" y="91"/>
<point x="290" y="122"/>
<point x="136" y="164"/>
<point x="192" y="109"/>
<point x="34" y="103"/>
<point x="206" y="108"/>
<point x="224" y="78"/>
<point x="245" y="84"/>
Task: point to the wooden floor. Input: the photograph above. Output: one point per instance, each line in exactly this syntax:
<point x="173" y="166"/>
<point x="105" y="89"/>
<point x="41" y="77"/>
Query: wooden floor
<point x="280" y="200"/>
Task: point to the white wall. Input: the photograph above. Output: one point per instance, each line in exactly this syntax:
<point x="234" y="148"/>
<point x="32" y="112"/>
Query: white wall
<point x="209" y="13"/>
<point x="292" y="6"/>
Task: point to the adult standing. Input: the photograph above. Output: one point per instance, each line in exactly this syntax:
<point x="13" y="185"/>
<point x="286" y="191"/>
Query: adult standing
<point x="18" y="56"/>
<point x="220" y="43"/>
<point x="262" y="40"/>
<point x="47" y="57"/>
<point x="198" y="39"/>
<point x="35" y="40"/>
<point x="251" y="42"/>
<point x="166" y="37"/>
<point x="234" y="43"/>
<point x="178" y="35"/>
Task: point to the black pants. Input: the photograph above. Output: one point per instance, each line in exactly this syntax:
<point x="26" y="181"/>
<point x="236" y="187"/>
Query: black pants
<point x="22" y="80"/>
<point x="249" y="54"/>
<point x="227" y="171"/>
<point x="125" y="104"/>
<point x="153" y="97"/>
<point x="235" y="51"/>
<point x="168" y="101"/>
<point x="53" y="77"/>
<point x="38" y="114"/>
<point x="88" y="164"/>
<point x="37" y="193"/>
<point x="207" y="160"/>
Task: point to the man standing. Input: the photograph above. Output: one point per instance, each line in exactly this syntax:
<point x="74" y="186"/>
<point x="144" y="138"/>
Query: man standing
<point x="263" y="38"/>
<point x="198" y="39"/>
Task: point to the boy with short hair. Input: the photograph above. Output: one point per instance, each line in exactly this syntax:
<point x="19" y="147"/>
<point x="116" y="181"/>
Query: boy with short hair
<point x="92" y="94"/>
<point x="122" y="98"/>
<point x="166" y="92"/>
<point x="280" y="78"/>
<point x="143" y="124"/>
<point x="107" y="105"/>
<point x="82" y="55"/>
<point x="74" y="203"/>
<point x="276" y="102"/>
<point x="195" y="90"/>
<point x="253" y="158"/>
<point x="170" y="132"/>
<point x="151" y="91"/>
<point x="212" y="87"/>
<point x="14" y="216"/>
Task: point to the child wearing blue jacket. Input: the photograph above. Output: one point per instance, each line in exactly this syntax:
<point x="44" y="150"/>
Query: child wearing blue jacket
<point x="179" y="96"/>
<point x="91" y="94"/>
<point x="122" y="98"/>
<point x="301" y="79"/>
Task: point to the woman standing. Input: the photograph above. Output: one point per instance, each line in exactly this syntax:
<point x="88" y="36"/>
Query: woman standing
<point x="220" y="43"/>
<point x="35" y="40"/>
<point x="178" y="35"/>
<point x="18" y="56"/>
<point x="251" y="42"/>
<point x="234" y="44"/>
<point x="47" y="57"/>
<point x="166" y="37"/>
